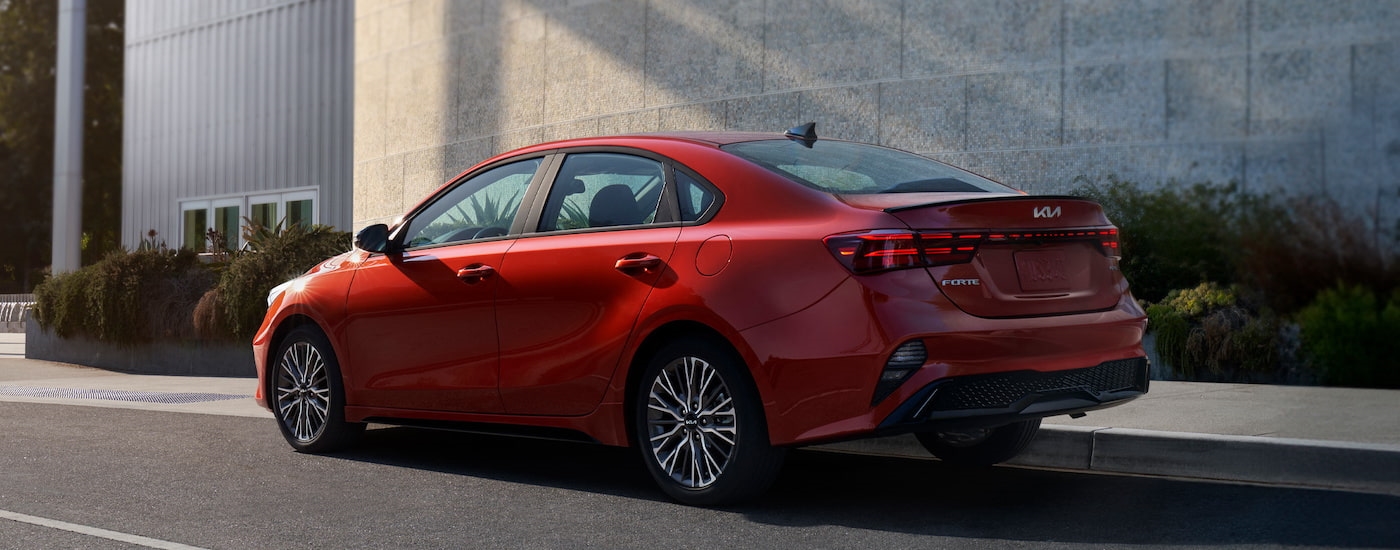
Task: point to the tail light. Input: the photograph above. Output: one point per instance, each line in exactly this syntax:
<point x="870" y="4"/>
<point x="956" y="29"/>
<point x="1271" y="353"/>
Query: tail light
<point x="1108" y="242"/>
<point x="877" y="251"/>
<point x="950" y="248"/>
<point x="885" y="250"/>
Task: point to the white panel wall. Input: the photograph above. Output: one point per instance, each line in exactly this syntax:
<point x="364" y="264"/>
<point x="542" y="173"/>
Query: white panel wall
<point x="229" y="97"/>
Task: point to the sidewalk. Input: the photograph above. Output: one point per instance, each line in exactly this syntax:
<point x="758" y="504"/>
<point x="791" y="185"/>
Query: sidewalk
<point x="1342" y="438"/>
<point x="1339" y="438"/>
<point x="33" y="381"/>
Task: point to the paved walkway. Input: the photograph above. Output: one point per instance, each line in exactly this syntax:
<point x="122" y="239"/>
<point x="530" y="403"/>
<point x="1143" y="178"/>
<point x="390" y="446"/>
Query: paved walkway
<point x="1324" y="437"/>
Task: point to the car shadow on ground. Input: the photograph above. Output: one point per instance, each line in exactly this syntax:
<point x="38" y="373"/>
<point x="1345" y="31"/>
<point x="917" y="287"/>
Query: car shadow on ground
<point x="926" y="497"/>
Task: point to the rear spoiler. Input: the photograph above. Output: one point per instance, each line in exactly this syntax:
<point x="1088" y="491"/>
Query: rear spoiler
<point x="894" y="209"/>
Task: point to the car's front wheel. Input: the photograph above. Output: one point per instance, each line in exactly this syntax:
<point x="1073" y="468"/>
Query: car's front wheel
<point x="700" y="426"/>
<point x="308" y="397"/>
<point x="980" y="447"/>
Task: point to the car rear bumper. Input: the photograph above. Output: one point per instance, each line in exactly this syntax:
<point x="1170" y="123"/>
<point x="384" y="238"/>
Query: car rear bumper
<point x="988" y="400"/>
<point x="818" y="369"/>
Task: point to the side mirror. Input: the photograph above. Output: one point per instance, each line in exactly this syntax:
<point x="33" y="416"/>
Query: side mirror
<point x="374" y="238"/>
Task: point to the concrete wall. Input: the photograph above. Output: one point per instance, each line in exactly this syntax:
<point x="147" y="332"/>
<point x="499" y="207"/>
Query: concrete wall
<point x="234" y="97"/>
<point x="1298" y="95"/>
<point x="177" y="358"/>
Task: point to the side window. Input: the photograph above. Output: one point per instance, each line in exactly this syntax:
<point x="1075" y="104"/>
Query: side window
<point x="481" y="207"/>
<point x="603" y="190"/>
<point x="695" y="197"/>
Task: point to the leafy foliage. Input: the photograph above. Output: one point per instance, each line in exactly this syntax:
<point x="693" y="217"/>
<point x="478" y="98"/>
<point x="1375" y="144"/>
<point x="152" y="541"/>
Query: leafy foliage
<point x="208" y="317"/>
<point x="473" y="216"/>
<point x="572" y="216"/>
<point x="1172" y="237"/>
<point x="1206" y="329"/>
<point x="1353" y="339"/>
<point x="491" y="212"/>
<point x="275" y="255"/>
<point x="159" y="293"/>
<point x="1282" y="251"/>
<point x="1292" y="252"/>
<point x="61" y="303"/>
<point x="126" y="298"/>
<point x="1183" y="243"/>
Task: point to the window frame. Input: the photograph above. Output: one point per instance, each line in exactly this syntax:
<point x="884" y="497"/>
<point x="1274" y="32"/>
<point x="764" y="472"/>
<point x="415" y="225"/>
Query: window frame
<point x="244" y="201"/>
<point x="662" y="213"/>
<point x="668" y="209"/>
<point x="399" y="231"/>
<point x="234" y="241"/>
<point x="301" y="195"/>
<point x="274" y="199"/>
<point x="185" y="206"/>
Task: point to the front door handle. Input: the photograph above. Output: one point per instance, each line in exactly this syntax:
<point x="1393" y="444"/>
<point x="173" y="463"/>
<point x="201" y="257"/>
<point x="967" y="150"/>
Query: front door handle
<point x="637" y="262"/>
<point x="474" y="273"/>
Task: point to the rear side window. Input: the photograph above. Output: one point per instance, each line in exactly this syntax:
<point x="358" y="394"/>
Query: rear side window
<point x="696" y="198"/>
<point x="603" y="190"/>
<point x="843" y="167"/>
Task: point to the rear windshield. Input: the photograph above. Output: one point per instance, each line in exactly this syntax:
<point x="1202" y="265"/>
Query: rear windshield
<point x="843" y="167"/>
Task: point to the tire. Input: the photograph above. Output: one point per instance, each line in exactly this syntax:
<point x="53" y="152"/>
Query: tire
<point x="981" y="447"/>
<point x="714" y="454"/>
<point x="307" y="395"/>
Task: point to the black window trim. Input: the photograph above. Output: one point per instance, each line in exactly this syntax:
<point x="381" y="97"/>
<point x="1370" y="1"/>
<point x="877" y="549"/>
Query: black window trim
<point x="710" y="210"/>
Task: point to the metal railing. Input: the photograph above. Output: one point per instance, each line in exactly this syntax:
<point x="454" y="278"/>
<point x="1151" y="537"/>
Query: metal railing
<point x="12" y="310"/>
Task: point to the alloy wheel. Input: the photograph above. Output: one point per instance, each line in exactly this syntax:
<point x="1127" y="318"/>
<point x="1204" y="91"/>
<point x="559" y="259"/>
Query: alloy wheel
<point x="691" y="422"/>
<point x="303" y="391"/>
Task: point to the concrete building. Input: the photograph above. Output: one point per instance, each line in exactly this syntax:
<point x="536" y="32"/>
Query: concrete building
<point x="235" y="109"/>
<point x="1294" y="95"/>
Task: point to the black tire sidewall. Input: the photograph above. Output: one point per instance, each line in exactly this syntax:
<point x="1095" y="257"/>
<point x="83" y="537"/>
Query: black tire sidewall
<point x="337" y="433"/>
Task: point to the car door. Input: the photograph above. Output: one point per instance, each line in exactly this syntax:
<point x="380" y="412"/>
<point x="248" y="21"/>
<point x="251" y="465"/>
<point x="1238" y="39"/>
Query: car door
<point x="571" y="292"/>
<point x="422" y="326"/>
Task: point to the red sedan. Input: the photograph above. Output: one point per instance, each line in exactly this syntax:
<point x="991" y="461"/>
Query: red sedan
<point x="712" y="299"/>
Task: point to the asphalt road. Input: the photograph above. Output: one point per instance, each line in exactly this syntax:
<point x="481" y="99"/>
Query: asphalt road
<point x="231" y="482"/>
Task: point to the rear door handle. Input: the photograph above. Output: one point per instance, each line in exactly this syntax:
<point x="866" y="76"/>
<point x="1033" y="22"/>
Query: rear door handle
<point x="639" y="261"/>
<point x="474" y="273"/>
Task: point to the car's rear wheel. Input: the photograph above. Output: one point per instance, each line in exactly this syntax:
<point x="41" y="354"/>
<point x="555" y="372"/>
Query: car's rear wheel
<point x="980" y="447"/>
<point x="308" y="397"/>
<point x="700" y="426"/>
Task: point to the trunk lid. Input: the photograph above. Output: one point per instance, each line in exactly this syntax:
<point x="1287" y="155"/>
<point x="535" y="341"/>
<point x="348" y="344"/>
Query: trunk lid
<point x="1034" y="255"/>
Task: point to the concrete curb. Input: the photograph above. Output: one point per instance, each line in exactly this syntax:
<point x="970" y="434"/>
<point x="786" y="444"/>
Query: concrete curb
<point x="1365" y="467"/>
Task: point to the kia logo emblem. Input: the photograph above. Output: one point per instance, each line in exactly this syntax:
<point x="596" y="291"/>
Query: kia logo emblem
<point x="1046" y="212"/>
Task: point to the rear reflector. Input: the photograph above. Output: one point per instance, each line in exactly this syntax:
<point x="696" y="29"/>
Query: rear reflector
<point x="904" y="361"/>
<point x="884" y="250"/>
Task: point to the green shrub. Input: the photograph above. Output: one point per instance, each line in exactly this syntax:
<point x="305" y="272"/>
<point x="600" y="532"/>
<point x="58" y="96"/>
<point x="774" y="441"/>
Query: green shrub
<point x="1351" y="338"/>
<point x="1205" y="330"/>
<point x="155" y="292"/>
<point x="126" y="297"/>
<point x="276" y="255"/>
<point x="61" y="303"/>
<point x="1292" y="252"/>
<point x="1280" y="252"/>
<point x="1174" y="236"/>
